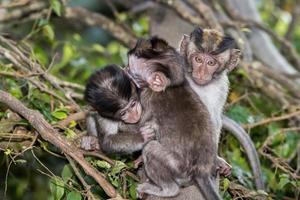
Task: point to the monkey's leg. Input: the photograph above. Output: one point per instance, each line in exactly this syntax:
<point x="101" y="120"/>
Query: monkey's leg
<point x="161" y="166"/>
<point x="122" y="142"/>
<point x="91" y="125"/>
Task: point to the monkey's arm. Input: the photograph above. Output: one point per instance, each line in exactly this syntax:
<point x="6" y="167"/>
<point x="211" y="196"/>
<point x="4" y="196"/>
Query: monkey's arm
<point x="239" y="133"/>
<point x="114" y="138"/>
<point x="122" y="142"/>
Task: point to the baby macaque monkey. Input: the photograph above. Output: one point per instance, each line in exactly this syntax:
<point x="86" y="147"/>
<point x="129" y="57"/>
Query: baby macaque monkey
<point x="118" y="121"/>
<point x="184" y="150"/>
<point x="210" y="56"/>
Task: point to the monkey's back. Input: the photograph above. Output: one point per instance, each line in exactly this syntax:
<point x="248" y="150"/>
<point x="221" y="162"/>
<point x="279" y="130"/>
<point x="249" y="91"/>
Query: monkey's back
<point x="185" y="127"/>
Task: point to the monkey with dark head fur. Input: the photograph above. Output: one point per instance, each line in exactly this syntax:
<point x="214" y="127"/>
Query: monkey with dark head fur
<point x="115" y="97"/>
<point x="185" y="150"/>
<point x="210" y="56"/>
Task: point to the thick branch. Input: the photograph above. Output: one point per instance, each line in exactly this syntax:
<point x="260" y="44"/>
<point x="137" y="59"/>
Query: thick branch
<point x="48" y="133"/>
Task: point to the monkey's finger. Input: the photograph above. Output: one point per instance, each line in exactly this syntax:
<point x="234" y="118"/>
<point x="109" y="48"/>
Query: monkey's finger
<point x="148" y="132"/>
<point x="145" y="127"/>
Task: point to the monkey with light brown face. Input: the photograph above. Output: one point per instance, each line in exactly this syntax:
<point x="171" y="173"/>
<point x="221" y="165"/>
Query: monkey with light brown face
<point x="185" y="150"/>
<point x="211" y="56"/>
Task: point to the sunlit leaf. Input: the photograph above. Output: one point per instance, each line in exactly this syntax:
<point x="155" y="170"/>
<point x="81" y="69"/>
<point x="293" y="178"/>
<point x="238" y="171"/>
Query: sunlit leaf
<point x="56" y="6"/>
<point x="72" y="124"/>
<point x="226" y="183"/>
<point x="59" y="114"/>
<point x="103" y="164"/>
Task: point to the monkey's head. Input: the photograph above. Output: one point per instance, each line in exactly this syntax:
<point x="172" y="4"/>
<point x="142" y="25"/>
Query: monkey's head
<point x="209" y="54"/>
<point x="153" y="63"/>
<point x="113" y="95"/>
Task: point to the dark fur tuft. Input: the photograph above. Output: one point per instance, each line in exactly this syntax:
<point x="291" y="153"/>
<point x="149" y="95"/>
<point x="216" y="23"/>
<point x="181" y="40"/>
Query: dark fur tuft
<point x="163" y="57"/>
<point x="107" y="89"/>
<point x="227" y="43"/>
<point x="211" y="41"/>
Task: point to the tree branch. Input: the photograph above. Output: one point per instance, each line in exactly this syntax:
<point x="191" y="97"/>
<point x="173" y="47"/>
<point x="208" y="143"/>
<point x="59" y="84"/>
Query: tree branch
<point x="49" y="134"/>
<point x="95" y="19"/>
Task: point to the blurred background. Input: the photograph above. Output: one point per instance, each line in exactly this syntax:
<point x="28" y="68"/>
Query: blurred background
<point x="69" y="40"/>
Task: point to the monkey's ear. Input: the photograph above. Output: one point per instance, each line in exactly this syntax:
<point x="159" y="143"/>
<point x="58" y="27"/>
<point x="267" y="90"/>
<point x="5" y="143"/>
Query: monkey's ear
<point x="235" y="55"/>
<point x="158" y="81"/>
<point x="159" y="44"/>
<point x="183" y="44"/>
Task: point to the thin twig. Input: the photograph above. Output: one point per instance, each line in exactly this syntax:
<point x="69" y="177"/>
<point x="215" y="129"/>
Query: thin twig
<point x="81" y="179"/>
<point x="272" y="119"/>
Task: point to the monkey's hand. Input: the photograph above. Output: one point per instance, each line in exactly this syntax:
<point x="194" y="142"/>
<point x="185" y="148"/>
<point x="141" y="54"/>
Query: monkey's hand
<point x="223" y="168"/>
<point x="148" y="132"/>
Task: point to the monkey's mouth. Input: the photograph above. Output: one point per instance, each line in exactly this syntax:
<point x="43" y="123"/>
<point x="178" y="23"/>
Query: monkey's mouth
<point x="202" y="82"/>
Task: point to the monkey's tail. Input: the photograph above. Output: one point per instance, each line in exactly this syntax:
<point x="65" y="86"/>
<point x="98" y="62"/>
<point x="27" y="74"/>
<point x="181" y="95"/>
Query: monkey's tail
<point x="239" y="133"/>
<point x="206" y="187"/>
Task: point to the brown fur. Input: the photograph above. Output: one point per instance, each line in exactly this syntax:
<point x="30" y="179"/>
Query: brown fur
<point x="184" y="150"/>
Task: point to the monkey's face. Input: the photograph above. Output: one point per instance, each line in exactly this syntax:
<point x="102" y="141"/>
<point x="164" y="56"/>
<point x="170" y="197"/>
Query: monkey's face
<point x="132" y="112"/>
<point x="206" y="67"/>
<point x="209" y="54"/>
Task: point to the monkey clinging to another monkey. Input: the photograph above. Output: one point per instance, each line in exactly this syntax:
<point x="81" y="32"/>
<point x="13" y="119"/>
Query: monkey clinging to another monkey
<point x="185" y="150"/>
<point x="210" y="56"/>
<point x="119" y="123"/>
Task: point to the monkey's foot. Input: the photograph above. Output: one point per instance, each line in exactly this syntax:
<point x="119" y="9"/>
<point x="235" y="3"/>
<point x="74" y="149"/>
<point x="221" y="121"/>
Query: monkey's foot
<point x="90" y="143"/>
<point x="223" y="168"/>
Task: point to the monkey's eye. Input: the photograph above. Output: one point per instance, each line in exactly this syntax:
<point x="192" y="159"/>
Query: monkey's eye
<point x="122" y="113"/>
<point x="211" y="62"/>
<point x="133" y="104"/>
<point x="198" y="59"/>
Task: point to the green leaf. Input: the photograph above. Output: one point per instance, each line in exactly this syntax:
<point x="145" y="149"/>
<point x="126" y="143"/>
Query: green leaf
<point x="67" y="173"/>
<point x="56" y="6"/>
<point x="118" y="167"/>
<point x="21" y="161"/>
<point x="113" y="48"/>
<point x="98" y="48"/>
<point x="57" y="188"/>
<point x="49" y="32"/>
<point x="284" y="180"/>
<point x="59" y="114"/>
<point x="226" y="183"/>
<point x="74" y="196"/>
<point x="8" y="151"/>
<point x="132" y="191"/>
<point x="70" y="134"/>
<point x="240" y="114"/>
<point x="42" y="22"/>
<point x="72" y="124"/>
<point x="103" y="164"/>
